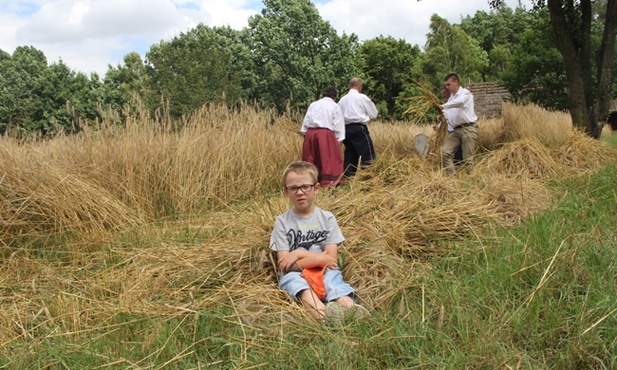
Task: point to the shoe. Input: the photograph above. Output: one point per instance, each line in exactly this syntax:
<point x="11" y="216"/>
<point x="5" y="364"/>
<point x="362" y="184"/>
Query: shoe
<point x="356" y="312"/>
<point x="334" y="314"/>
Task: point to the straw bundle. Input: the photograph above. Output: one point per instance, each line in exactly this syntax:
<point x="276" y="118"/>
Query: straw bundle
<point x="490" y="135"/>
<point x="377" y="273"/>
<point x="164" y="281"/>
<point x="406" y="204"/>
<point x="532" y="121"/>
<point x="395" y="140"/>
<point x="426" y="108"/>
<point x="582" y="154"/>
<point x="513" y="201"/>
<point x="526" y="158"/>
<point x="607" y="130"/>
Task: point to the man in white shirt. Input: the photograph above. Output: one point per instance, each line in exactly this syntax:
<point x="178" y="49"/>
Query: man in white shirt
<point x="458" y="155"/>
<point x="324" y="128"/>
<point x="358" y="110"/>
<point x="459" y="111"/>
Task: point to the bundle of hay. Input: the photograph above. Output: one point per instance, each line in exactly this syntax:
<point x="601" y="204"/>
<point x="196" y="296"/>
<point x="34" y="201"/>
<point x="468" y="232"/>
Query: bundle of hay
<point x="423" y="107"/>
<point x="526" y="158"/>
<point x="583" y="154"/>
<point x="393" y="141"/>
<point x="513" y="200"/>
<point x="490" y="134"/>
<point x="377" y="273"/>
<point x="411" y="209"/>
<point x="426" y="108"/>
<point x="532" y="121"/>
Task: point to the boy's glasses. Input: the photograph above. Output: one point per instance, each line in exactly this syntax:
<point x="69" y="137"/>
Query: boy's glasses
<point x="294" y="189"/>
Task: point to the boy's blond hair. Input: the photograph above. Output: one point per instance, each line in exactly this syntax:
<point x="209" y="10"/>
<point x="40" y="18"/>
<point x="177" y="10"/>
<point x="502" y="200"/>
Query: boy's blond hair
<point x="301" y="167"/>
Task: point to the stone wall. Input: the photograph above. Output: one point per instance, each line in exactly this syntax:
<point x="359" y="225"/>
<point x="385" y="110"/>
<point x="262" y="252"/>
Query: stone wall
<point x="488" y="97"/>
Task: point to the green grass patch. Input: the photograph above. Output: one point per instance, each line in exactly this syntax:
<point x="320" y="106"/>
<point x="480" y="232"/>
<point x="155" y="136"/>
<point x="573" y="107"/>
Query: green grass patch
<point x="543" y="295"/>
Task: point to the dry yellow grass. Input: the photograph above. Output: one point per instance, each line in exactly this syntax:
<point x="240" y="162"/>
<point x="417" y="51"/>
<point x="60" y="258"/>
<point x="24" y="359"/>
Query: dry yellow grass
<point x="38" y="199"/>
<point x="526" y="158"/>
<point x="550" y="128"/>
<point x="582" y="154"/>
<point x="513" y="201"/>
<point x="165" y="221"/>
<point x="426" y="108"/>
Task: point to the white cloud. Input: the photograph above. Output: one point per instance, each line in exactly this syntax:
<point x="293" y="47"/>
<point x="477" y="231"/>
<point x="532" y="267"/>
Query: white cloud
<point x="73" y="21"/>
<point x="233" y="13"/>
<point x="401" y="19"/>
<point x="88" y="35"/>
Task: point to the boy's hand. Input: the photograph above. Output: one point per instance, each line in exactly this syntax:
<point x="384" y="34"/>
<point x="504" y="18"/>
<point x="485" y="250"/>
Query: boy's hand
<point x="286" y="262"/>
<point x="329" y="261"/>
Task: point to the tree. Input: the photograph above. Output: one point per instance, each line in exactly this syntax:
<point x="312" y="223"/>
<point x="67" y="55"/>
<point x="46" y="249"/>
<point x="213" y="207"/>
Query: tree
<point x="85" y="95"/>
<point x="571" y="21"/>
<point x="195" y="68"/>
<point x="35" y="97"/>
<point x="124" y="82"/>
<point x="388" y="64"/>
<point x="241" y="63"/>
<point x="449" y="49"/>
<point x="20" y="106"/>
<point x="57" y="90"/>
<point x="497" y="33"/>
<point x="297" y="53"/>
<point x="537" y="73"/>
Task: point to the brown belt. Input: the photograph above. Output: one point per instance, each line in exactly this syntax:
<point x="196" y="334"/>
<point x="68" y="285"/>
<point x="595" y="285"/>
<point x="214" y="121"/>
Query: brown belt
<point x="466" y="124"/>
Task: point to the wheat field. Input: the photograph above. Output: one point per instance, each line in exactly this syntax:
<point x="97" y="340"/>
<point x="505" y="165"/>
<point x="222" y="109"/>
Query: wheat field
<point x="168" y="219"/>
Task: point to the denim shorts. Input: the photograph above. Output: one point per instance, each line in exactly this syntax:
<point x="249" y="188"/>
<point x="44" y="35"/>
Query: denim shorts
<point x="336" y="288"/>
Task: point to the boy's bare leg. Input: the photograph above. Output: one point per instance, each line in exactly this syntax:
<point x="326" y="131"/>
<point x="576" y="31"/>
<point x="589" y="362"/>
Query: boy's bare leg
<point x="352" y="309"/>
<point x="345" y="301"/>
<point x="314" y="306"/>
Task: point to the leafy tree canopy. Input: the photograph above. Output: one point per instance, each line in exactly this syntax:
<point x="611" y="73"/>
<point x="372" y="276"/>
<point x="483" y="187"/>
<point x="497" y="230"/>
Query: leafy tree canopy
<point x="37" y="97"/>
<point x="297" y="53"/>
<point x="388" y="65"/>
<point x="588" y="68"/>
<point x="450" y="50"/>
<point x="195" y="68"/>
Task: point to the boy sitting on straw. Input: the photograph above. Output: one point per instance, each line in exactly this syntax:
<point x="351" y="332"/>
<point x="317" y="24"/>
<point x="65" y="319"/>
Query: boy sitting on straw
<point x="305" y="239"/>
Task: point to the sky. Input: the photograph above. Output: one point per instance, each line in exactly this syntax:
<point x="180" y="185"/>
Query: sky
<point x="90" y="35"/>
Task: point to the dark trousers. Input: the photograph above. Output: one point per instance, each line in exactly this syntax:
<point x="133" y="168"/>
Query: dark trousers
<point x="358" y="147"/>
<point x="458" y="156"/>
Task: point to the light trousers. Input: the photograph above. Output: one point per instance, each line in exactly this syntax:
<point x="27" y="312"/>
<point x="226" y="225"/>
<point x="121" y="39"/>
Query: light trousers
<point x="465" y="137"/>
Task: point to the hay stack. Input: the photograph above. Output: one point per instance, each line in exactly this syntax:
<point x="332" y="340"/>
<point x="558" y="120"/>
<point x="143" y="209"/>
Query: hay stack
<point x="397" y="215"/>
<point x="513" y="201"/>
<point x="526" y="158"/>
<point x="583" y="154"/>
<point x="532" y="121"/>
<point x="490" y="135"/>
<point x="376" y="272"/>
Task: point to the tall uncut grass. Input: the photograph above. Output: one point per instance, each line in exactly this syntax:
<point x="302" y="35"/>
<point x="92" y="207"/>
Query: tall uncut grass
<point x="145" y="245"/>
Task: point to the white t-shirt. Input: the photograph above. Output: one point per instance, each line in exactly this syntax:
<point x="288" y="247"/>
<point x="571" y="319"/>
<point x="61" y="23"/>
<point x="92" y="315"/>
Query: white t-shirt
<point x="292" y="231"/>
